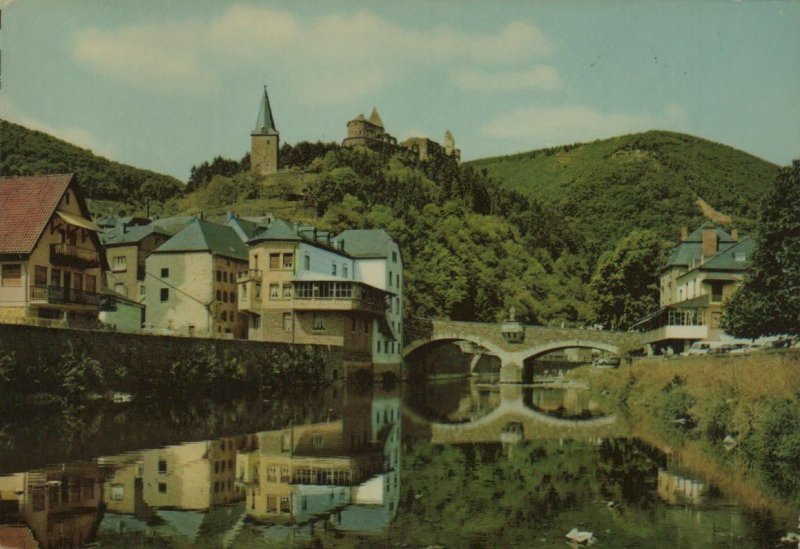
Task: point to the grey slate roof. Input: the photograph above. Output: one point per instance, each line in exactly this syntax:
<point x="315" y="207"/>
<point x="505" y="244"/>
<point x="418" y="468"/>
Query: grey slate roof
<point x="265" y="123"/>
<point x="119" y="236"/>
<point x="175" y="223"/>
<point x="279" y="229"/>
<point x="204" y="236"/>
<point x="691" y="249"/>
<point x="244" y="228"/>
<point x="366" y="242"/>
<point x="726" y="260"/>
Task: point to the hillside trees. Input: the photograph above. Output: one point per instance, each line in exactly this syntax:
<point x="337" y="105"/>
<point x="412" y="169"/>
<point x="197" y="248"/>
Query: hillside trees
<point x="624" y="286"/>
<point x="769" y="300"/>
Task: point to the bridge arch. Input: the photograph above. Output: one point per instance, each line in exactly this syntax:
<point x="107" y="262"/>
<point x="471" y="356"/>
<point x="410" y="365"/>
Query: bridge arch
<point x="544" y="348"/>
<point x="445" y="337"/>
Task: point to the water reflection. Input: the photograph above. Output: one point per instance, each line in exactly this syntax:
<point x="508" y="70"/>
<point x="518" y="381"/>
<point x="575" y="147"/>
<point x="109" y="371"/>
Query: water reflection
<point x="454" y="463"/>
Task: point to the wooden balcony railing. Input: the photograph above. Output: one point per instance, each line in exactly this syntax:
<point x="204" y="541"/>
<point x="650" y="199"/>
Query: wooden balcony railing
<point x="57" y="294"/>
<point x="74" y="256"/>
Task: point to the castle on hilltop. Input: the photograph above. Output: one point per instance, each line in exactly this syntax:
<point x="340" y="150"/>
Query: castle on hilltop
<point x="361" y="132"/>
<point x="370" y="132"/>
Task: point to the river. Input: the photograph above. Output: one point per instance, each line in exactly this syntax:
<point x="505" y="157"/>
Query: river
<point x="454" y="464"/>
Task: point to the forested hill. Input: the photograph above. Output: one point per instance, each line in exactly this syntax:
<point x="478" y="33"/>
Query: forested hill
<point x="650" y="180"/>
<point x="27" y="152"/>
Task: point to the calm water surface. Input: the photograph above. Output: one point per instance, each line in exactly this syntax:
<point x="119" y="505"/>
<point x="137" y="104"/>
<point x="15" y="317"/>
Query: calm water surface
<point x="455" y="464"/>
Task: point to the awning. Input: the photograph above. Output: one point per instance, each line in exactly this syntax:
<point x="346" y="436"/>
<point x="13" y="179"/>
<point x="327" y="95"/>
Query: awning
<point x="78" y="221"/>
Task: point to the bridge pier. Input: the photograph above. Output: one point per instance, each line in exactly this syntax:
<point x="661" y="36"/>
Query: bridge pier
<point x="510" y="372"/>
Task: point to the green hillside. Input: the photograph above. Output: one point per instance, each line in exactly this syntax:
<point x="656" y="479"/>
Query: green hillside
<point x="647" y="180"/>
<point x="28" y="152"/>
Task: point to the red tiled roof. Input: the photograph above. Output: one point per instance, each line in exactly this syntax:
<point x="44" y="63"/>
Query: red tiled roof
<point x="26" y="205"/>
<point x="17" y="537"/>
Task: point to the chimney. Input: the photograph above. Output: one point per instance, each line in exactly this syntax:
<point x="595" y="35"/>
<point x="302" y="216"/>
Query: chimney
<point x="684" y="232"/>
<point x="735" y="235"/>
<point x="709" y="243"/>
<point x="124" y="228"/>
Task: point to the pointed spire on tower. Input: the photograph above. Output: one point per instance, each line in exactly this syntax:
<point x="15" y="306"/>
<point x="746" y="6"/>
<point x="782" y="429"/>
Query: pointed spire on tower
<point x="265" y="123"/>
<point x="375" y="118"/>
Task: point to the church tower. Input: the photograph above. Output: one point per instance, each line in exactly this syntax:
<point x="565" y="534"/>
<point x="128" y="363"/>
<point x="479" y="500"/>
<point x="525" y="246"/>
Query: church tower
<point x="264" y="141"/>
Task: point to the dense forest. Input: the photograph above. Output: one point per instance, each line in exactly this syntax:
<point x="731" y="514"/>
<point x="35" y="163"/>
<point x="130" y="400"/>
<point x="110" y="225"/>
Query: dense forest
<point x="29" y="152"/>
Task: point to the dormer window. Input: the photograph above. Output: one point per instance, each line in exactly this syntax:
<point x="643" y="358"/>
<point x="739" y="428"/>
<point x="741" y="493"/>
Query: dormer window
<point x="740" y="257"/>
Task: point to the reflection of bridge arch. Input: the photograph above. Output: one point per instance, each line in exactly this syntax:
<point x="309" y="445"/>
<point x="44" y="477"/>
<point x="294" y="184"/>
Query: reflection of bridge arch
<point x="512" y="409"/>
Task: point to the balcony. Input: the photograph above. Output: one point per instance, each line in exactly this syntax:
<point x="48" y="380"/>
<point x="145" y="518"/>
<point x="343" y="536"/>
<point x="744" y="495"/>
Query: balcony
<point x="249" y="275"/>
<point x="338" y="296"/>
<point x="249" y="295"/>
<point x="56" y="295"/>
<point x="71" y="255"/>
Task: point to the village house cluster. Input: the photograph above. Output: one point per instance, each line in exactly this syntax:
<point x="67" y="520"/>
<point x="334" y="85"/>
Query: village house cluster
<point x="260" y="278"/>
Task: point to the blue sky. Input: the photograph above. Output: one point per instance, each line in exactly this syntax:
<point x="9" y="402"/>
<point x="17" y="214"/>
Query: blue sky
<point x="168" y="84"/>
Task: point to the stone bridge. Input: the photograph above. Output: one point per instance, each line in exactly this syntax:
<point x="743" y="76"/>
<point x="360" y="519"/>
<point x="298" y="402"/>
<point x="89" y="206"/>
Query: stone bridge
<point x="539" y="340"/>
<point x="527" y="423"/>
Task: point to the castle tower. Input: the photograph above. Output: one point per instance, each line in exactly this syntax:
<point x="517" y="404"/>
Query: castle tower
<point x="450" y="146"/>
<point x="264" y="141"/>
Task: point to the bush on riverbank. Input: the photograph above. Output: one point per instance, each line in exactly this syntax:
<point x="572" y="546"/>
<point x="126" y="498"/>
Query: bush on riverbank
<point x="753" y="399"/>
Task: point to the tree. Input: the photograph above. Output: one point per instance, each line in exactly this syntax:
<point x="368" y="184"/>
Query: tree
<point x="624" y="286"/>
<point x="769" y="300"/>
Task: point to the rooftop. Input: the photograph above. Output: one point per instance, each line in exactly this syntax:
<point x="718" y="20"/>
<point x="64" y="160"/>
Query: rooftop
<point x="204" y="236"/>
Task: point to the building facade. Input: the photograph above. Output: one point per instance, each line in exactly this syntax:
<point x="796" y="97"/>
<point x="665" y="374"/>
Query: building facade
<point x="51" y="259"/>
<point x="304" y="285"/>
<point x="703" y="270"/>
<point x="190" y="282"/>
<point x="126" y="249"/>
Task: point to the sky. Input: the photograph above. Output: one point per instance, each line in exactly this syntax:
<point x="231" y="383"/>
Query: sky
<point x="168" y="84"/>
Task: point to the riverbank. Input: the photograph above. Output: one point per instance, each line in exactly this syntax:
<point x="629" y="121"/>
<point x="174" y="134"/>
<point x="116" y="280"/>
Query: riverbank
<point x="734" y="418"/>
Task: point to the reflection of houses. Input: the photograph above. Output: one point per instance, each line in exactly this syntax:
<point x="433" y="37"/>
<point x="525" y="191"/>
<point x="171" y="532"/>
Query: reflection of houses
<point x="675" y="489"/>
<point x="306" y="286"/>
<point x="60" y="505"/>
<point x="703" y="270"/>
<point x="190" y="476"/>
<point x="191" y="281"/>
<point x="50" y="254"/>
<point x="340" y="469"/>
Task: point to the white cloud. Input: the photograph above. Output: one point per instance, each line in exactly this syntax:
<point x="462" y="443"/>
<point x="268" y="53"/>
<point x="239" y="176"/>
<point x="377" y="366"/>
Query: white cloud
<point x="540" y="77"/>
<point x="569" y="123"/>
<point x="72" y="134"/>
<point x="334" y="58"/>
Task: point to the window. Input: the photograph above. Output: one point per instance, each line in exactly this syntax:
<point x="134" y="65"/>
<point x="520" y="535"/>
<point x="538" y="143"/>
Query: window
<point x="316" y="442"/>
<point x="397" y="281"/>
<point x="117" y="492"/>
<point x="219" y="295"/>
<point x="219" y="275"/>
<point x="333" y="269"/>
<point x="286" y="506"/>
<point x="162" y="487"/>
<point x="165" y="272"/>
<point x="272" y="474"/>
<point x="274" y="261"/>
<point x="91" y="283"/>
<point x="119" y="263"/>
<point x="394" y="257"/>
<point x="55" y="277"/>
<point x="287" y="290"/>
<point x="390" y="279"/>
<point x="740" y="257"/>
<point x="273" y="291"/>
<point x="120" y="288"/>
<point x="224" y="276"/>
<point x="12" y="275"/>
<point x="307" y="263"/>
<point x="224" y="316"/>
<point x="162" y="466"/>
<point x="164" y="294"/>
<point x="255" y="323"/>
<point x="40" y="276"/>
<point x="141" y="291"/>
<point x="288" y="261"/>
<point x="258" y="290"/>
<point x="224" y="297"/>
<point x="272" y="504"/>
<point x="287" y="321"/>
<point x="255" y="261"/>
<point x="319" y="322"/>
<point x="285" y="474"/>
<point x="344" y="271"/>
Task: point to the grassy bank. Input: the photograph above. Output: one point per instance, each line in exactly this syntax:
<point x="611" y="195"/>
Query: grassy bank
<point x="733" y="418"/>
